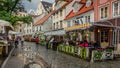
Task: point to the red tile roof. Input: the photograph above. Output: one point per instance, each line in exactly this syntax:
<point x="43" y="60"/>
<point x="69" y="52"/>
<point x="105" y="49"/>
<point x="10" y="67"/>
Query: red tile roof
<point x="67" y="2"/>
<point x="81" y="11"/>
<point x="42" y="20"/>
<point x="45" y="18"/>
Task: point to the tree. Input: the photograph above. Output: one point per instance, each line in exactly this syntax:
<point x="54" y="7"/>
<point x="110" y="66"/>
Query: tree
<point x="9" y="7"/>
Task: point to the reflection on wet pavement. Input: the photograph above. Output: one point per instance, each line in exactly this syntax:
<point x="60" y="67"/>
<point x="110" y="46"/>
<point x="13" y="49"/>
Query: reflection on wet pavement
<point x="56" y="59"/>
<point x="60" y="60"/>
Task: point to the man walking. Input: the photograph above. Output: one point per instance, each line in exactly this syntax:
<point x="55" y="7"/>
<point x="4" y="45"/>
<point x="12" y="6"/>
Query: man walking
<point x="22" y="41"/>
<point x="37" y="42"/>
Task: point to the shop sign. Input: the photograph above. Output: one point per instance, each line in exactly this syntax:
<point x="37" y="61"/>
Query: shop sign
<point x="59" y="32"/>
<point x="77" y="27"/>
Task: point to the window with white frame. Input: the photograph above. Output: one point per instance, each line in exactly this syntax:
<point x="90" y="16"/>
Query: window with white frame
<point x="87" y="18"/>
<point x="54" y="26"/>
<point x="57" y="26"/>
<point x="79" y="20"/>
<point x="68" y="24"/>
<point x="116" y="8"/>
<point x="104" y="12"/>
<point x="60" y="12"/>
<point x="61" y="25"/>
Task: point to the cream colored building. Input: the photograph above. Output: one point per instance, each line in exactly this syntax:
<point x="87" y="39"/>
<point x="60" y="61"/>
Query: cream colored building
<point x="23" y="28"/>
<point x="58" y="17"/>
<point x="43" y="7"/>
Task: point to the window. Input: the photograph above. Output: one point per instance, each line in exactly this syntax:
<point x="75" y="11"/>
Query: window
<point x="68" y="24"/>
<point x="87" y="18"/>
<point x="60" y="12"/>
<point x="104" y="36"/>
<point x="57" y="15"/>
<point x="54" y="26"/>
<point x="79" y="20"/>
<point x="57" y="25"/>
<point x="61" y="24"/>
<point x="104" y="12"/>
<point x="116" y="8"/>
<point x="40" y="28"/>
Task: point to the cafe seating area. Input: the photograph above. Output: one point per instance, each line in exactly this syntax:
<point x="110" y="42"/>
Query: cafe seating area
<point x="87" y="53"/>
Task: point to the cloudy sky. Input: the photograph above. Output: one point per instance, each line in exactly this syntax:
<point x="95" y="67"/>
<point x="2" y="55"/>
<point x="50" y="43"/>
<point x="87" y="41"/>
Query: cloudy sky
<point x="33" y="5"/>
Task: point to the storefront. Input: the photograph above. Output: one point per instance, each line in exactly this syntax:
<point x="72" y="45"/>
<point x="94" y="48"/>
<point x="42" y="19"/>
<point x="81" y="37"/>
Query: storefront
<point x="107" y="32"/>
<point x="80" y="32"/>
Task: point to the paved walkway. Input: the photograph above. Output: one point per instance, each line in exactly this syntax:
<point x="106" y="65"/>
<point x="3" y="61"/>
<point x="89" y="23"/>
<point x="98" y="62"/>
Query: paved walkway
<point x="55" y="59"/>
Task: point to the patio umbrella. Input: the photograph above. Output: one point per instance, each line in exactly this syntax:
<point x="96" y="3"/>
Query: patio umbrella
<point x="5" y="23"/>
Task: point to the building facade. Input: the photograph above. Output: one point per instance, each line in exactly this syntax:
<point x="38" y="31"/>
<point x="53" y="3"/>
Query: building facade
<point x="44" y="9"/>
<point x="78" y="21"/>
<point x="107" y="19"/>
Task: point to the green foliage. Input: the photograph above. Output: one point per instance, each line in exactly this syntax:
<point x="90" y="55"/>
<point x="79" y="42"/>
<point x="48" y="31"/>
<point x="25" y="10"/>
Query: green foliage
<point x="14" y="19"/>
<point x="8" y="8"/>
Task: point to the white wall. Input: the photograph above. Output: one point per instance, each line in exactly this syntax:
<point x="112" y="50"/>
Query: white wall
<point x="40" y="9"/>
<point x="91" y="13"/>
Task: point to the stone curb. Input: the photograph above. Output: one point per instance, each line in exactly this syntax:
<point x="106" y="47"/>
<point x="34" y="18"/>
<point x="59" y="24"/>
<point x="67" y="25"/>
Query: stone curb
<point x="4" y="63"/>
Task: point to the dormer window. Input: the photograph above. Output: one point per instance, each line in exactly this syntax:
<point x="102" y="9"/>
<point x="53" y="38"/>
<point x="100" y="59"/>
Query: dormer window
<point x="76" y="6"/>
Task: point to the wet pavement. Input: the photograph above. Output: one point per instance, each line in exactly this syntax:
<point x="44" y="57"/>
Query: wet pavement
<point x="29" y="57"/>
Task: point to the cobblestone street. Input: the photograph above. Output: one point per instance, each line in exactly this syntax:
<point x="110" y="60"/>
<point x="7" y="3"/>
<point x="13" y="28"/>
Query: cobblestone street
<point x="53" y="58"/>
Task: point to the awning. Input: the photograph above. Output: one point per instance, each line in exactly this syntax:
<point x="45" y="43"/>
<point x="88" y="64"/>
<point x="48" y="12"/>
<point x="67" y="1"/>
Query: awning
<point x="57" y="32"/>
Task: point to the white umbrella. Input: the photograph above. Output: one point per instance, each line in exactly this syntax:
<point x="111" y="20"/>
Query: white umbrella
<point x="5" y="23"/>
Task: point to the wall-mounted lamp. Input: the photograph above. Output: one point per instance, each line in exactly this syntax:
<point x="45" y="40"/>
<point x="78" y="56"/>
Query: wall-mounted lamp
<point x="111" y="30"/>
<point x="98" y="30"/>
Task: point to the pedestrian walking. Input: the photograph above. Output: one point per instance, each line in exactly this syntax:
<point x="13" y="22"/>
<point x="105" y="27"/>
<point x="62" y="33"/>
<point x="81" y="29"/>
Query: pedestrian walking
<point x="22" y="41"/>
<point x="16" y="42"/>
<point x="37" y="42"/>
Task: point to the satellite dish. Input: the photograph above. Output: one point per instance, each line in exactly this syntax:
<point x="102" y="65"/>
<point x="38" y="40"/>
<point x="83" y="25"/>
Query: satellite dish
<point x="88" y="3"/>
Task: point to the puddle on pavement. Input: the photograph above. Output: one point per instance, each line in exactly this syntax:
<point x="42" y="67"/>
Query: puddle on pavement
<point x="33" y="65"/>
<point x="29" y="55"/>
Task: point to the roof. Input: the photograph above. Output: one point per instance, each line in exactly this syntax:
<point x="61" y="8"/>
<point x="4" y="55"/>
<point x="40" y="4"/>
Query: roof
<point x="82" y="10"/>
<point x="45" y="18"/>
<point x="46" y="5"/>
<point x="67" y="2"/>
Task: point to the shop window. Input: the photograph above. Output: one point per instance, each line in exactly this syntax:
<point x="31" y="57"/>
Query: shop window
<point x="104" y="36"/>
<point x="104" y="12"/>
<point x="116" y="8"/>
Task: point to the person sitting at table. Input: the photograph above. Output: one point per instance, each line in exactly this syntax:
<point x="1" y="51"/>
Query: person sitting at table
<point x="91" y="44"/>
<point x="97" y="44"/>
<point x="81" y="44"/>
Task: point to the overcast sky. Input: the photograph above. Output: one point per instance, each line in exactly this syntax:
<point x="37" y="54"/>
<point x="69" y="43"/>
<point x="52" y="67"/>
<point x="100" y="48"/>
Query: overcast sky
<point x="33" y="5"/>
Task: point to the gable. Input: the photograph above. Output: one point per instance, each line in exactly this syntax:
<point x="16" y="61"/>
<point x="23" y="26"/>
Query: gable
<point x="77" y="6"/>
<point x="60" y="4"/>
